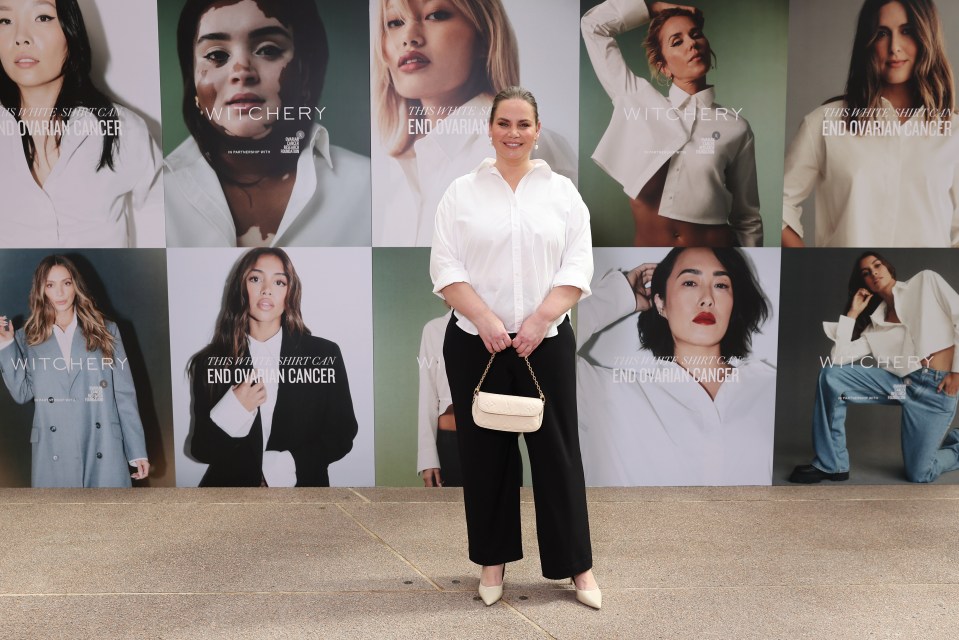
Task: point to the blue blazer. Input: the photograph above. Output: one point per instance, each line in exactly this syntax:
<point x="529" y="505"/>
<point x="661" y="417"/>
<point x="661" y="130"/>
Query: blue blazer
<point x="86" y="424"/>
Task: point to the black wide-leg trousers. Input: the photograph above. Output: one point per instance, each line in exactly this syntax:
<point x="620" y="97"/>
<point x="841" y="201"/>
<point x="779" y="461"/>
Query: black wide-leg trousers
<point x="491" y="461"/>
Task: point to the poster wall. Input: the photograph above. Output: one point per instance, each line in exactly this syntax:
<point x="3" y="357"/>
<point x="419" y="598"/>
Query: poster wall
<point x="163" y="141"/>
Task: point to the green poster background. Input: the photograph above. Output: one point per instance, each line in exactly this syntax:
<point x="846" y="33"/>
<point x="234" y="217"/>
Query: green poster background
<point x="749" y="39"/>
<point x="403" y="301"/>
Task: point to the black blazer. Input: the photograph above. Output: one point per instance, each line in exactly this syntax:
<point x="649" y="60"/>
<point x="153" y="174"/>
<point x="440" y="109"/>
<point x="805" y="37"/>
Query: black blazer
<point x="313" y="421"/>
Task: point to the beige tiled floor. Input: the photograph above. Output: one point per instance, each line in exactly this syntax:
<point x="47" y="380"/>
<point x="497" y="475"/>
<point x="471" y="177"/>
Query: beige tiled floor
<point x="772" y="562"/>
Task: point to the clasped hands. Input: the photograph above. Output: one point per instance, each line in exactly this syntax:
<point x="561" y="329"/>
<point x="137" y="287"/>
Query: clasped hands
<point x="496" y="338"/>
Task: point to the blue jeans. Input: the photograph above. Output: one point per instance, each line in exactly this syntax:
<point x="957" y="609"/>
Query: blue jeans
<point x="926" y="416"/>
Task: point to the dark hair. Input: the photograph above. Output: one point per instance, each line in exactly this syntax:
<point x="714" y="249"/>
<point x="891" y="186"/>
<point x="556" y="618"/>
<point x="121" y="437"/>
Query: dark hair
<point x="653" y="41"/>
<point x="233" y="323"/>
<point x="857" y="282"/>
<point x="77" y="92"/>
<point x="750" y="308"/>
<point x="311" y="55"/>
<point x="932" y="74"/>
<point x="514" y="93"/>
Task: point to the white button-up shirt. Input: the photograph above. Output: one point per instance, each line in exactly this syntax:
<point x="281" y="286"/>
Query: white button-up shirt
<point x="877" y="190"/>
<point x="79" y="206"/>
<point x="710" y="149"/>
<point x="512" y="247"/>
<point x="928" y="311"/>
<point x="279" y="467"/>
<point x="435" y="394"/>
<point x="329" y="205"/>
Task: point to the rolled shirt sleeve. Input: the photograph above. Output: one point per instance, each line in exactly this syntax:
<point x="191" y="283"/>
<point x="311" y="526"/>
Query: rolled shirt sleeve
<point x="576" y="268"/>
<point x="445" y="265"/>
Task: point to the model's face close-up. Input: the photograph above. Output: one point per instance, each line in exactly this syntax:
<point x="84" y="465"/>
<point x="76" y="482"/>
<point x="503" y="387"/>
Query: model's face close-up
<point x="33" y="48"/>
<point x="685" y="50"/>
<point x="699" y="300"/>
<point x="59" y="289"/>
<point x="241" y="68"/>
<point x="431" y="53"/>
<point x="514" y="129"/>
<point x="876" y="274"/>
<point x="266" y="287"/>
<point x="895" y="46"/>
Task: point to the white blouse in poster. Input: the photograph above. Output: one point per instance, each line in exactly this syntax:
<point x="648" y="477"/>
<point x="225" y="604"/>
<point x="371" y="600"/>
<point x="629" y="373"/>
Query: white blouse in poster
<point x="642" y="425"/>
<point x="336" y="304"/>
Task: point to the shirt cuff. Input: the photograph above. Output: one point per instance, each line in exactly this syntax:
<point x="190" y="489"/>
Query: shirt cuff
<point x="791" y="220"/>
<point x="572" y="278"/>
<point x="230" y="415"/>
<point x="633" y="12"/>
<point x="279" y="469"/>
<point x="448" y="277"/>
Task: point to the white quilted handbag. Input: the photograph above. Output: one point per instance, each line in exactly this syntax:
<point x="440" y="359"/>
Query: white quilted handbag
<point x="502" y="412"/>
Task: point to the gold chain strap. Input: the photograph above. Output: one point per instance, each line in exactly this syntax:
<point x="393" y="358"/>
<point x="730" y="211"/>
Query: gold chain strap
<point x="528" y="366"/>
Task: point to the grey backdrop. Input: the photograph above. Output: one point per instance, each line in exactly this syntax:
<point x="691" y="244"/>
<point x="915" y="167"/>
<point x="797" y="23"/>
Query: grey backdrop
<point x="130" y="287"/>
<point x="820" y="43"/>
<point x="813" y="291"/>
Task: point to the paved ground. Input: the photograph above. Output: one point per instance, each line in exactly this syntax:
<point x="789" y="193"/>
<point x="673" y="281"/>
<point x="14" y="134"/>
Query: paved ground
<point x="768" y="562"/>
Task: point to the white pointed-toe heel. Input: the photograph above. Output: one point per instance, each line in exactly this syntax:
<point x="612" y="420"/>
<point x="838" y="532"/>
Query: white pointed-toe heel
<point x="590" y="597"/>
<point x="491" y="595"/>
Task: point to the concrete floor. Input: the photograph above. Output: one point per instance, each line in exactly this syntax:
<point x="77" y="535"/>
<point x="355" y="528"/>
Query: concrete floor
<point x="819" y="562"/>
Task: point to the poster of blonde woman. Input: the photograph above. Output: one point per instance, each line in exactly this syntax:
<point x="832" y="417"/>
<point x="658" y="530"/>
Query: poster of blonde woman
<point x="435" y="67"/>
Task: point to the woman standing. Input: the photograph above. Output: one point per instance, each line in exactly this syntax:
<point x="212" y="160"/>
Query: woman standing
<point x="257" y="170"/>
<point x="512" y="254"/>
<point x="80" y="171"/>
<point x="884" y="158"/>
<point x="70" y="360"/>
<point x="679" y="196"/>
<point x="436" y="67"/>
<point x="896" y="343"/>
<point x="271" y="403"/>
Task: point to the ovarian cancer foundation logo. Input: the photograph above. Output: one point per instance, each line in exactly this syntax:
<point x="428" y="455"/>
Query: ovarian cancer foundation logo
<point x="95" y="394"/>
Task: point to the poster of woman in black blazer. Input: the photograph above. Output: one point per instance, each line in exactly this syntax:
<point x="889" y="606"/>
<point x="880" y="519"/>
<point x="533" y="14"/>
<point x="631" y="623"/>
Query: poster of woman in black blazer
<point x="271" y="402"/>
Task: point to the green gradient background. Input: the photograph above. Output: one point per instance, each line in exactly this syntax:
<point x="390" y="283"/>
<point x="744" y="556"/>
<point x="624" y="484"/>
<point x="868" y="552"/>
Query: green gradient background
<point x="403" y="301"/>
<point x="749" y="38"/>
<point x="346" y="93"/>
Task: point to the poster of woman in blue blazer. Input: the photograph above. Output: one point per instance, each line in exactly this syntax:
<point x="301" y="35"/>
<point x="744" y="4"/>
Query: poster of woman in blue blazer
<point x="70" y="361"/>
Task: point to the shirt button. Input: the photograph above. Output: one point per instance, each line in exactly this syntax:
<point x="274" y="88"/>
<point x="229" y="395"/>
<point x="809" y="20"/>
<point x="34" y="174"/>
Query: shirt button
<point x="52" y="428"/>
<point x="98" y="425"/>
<point x="50" y="399"/>
<point x="55" y="458"/>
<point x="99" y="455"/>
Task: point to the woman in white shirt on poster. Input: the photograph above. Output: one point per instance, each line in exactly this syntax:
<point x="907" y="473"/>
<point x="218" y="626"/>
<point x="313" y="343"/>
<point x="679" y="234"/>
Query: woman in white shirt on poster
<point x="257" y="170"/>
<point x="511" y="255"/>
<point x="896" y="343"/>
<point x="76" y="170"/>
<point x="691" y="408"/>
<point x="436" y="65"/>
<point x="888" y="177"/>
<point x="679" y="195"/>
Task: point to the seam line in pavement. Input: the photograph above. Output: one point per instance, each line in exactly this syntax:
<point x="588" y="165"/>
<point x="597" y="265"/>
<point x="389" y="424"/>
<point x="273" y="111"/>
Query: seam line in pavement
<point x="389" y="546"/>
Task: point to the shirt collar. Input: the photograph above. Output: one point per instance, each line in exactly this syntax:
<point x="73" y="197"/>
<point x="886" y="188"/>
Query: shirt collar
<point x="70" y="327"/>
<point x="879" y="315"/>
<point x="270" y="345"/>
<point x="489" y="166"/>
<point x="679" y="98"/>
<point x="320" y="142"/>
